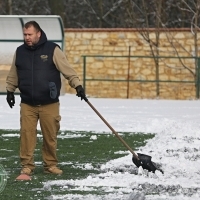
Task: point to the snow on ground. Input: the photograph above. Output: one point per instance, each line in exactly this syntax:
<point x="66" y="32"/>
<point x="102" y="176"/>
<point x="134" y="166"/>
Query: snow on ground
<point x="176" y="146"/>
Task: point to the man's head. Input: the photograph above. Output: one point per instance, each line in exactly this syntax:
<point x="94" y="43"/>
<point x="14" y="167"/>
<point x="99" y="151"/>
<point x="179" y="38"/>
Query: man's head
<point x="32" y="33"/>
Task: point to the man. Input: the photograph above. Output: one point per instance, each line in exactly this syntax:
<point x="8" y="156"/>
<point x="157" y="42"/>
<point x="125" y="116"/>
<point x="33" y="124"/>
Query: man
<point x="36" y="71"/>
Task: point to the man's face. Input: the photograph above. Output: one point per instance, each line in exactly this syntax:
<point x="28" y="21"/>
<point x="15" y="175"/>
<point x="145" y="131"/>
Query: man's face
<point x="31" y="36"/>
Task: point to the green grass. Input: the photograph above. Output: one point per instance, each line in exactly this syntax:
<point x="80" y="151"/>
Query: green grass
<point x="75" y="149"/>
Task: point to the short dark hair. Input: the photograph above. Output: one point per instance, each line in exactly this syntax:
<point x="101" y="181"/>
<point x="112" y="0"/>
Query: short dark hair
<point x="34" y="24"/>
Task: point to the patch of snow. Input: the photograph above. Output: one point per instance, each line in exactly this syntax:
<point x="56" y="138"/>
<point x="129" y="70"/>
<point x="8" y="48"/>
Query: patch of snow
<point x="175" y="147"/>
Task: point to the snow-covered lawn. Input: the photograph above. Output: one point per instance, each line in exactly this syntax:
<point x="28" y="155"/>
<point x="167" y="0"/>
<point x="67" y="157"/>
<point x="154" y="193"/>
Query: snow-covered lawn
<point x="176" y="146"/>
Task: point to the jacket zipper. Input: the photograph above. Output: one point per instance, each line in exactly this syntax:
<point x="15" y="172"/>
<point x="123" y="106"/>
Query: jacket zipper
<point x="32" y="77"/>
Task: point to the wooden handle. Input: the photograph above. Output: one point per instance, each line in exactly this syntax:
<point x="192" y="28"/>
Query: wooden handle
<point x="113" y="131"/>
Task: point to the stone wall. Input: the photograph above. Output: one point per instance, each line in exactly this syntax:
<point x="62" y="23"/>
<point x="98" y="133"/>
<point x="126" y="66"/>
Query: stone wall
<point x="108" y="71"/>
<point x="142" y="71"/>
<point x="3" y="73"/>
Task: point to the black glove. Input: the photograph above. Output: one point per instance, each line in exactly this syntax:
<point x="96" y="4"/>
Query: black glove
<point x="80" y="92"/>
<point x="10" y="99"/>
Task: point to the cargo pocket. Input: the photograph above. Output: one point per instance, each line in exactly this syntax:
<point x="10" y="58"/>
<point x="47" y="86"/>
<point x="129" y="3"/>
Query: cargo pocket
<point x="57" y="123"/>
<point x="53" y="90"/>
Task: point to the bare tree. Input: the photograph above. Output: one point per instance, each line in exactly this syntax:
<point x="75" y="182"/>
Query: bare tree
<point x="97" y="14"/>
<point x="149" y="16"/>
<point x="24" y="7"/>
<point x="3" y="7"/>
<point x="193" y="10"/>
<point x="106" y="14"/>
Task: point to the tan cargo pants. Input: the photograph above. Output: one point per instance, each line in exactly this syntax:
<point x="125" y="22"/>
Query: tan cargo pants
<point x="49" y="118"/>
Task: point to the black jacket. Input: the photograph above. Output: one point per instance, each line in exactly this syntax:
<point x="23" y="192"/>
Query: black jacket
<point x="38" y="78"/>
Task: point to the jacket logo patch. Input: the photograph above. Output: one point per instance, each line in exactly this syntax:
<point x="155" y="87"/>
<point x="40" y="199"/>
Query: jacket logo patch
<point x="44" y="58"/>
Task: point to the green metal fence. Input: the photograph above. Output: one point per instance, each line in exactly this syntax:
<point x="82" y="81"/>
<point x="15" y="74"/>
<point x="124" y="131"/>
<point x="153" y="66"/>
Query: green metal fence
<point x="165" y="71"/>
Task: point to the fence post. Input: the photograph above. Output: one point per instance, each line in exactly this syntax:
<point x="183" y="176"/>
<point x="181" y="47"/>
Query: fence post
<point x="84" y="73"/>
<point x="197" y="77"/>
<point x="157" y="77"/>
<point x="128" y="77"/>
